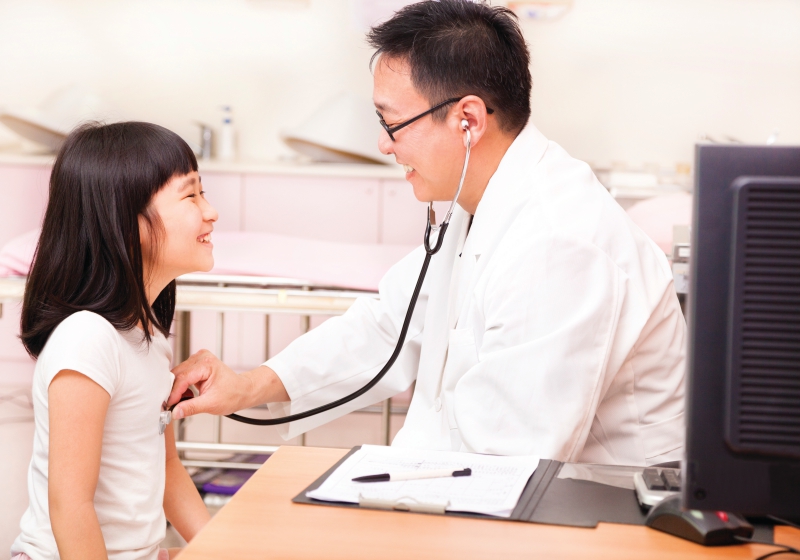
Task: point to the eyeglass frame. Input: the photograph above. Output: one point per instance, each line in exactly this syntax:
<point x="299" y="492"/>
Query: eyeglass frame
<point x="390" y="130"/>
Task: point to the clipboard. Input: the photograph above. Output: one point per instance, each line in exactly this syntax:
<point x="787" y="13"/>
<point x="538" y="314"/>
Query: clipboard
<point x="547" y="498"/>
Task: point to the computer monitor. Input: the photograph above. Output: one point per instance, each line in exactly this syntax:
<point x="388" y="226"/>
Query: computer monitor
<point x="743" y="376"/>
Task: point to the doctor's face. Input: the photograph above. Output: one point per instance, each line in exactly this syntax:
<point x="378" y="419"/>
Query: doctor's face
<point x="432" y="151"/>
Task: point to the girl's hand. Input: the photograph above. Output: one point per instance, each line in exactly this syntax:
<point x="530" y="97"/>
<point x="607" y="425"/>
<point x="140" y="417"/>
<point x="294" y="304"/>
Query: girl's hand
<point x="77" y="408"/>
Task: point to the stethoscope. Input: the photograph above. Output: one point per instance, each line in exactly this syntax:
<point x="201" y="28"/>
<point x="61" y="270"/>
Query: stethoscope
<point x="429" y="252"/>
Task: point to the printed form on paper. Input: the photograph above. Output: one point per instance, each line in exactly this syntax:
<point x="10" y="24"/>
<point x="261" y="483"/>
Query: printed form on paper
<point x="493" y="488"/>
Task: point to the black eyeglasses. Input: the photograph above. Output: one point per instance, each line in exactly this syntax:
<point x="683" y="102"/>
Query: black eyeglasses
<point x="390" y="130"/>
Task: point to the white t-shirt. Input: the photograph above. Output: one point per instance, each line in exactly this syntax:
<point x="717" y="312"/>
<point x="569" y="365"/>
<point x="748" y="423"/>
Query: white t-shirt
<point x="130" y="489"/>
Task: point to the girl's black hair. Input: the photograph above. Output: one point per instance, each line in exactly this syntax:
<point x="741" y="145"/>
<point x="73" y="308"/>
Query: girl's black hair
<point x="89" y="255"/>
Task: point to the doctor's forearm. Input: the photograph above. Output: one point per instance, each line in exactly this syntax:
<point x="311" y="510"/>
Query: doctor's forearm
<point x="263" y="386"/>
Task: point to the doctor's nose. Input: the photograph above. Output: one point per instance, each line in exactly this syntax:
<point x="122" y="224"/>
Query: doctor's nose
<point x="385" y="144"/>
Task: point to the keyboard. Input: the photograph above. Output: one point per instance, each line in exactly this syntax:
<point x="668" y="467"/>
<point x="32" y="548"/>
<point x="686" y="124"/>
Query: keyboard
<point x="654" y="484"/>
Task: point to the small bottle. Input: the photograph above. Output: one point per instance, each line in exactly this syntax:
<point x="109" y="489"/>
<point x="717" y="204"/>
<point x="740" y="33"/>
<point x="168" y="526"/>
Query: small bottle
<point x="226" y="150"/>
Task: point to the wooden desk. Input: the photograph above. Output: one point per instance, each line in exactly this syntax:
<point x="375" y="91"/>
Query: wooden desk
<point x="261" y="522"/>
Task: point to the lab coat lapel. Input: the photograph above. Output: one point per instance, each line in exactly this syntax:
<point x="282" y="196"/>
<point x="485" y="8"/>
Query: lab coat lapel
<point x="503" y="199"/>
<point x="436" y="329"/>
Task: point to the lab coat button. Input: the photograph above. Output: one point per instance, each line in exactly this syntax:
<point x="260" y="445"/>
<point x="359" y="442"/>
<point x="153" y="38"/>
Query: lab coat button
<point x="437" y="404"/>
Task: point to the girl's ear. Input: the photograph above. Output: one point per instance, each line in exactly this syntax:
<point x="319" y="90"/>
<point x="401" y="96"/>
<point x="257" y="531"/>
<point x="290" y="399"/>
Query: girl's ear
<point x="145" y="236"/>
<point x="143" y="233"/>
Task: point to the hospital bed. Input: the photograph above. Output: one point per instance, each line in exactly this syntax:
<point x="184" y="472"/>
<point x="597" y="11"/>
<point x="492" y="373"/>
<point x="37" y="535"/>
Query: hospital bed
<point x="229" y="293"/>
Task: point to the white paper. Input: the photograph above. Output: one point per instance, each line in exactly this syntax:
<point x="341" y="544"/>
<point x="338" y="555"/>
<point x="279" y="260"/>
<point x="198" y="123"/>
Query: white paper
<point x="493" y="488"/>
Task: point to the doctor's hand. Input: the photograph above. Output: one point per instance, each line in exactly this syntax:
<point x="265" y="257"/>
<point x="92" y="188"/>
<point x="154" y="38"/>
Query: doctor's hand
<point x="220" y="389"/>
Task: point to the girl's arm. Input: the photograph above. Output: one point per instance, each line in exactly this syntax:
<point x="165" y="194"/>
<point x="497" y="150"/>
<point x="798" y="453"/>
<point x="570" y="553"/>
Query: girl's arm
<point x="183" y="505"/>
<point x="77" y="412"/>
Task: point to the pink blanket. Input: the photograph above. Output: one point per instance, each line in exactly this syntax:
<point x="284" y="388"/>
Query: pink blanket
<point x="328" y="263"/>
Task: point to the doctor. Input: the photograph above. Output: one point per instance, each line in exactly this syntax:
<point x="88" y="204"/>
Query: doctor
<point x="548" y="323"/>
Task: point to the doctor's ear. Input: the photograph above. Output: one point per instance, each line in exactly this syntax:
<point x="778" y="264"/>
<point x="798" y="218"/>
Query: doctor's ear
<point x="473" y="114"/>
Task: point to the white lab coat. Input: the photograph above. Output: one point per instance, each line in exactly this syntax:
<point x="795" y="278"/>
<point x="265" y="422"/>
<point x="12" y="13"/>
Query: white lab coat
<point x="552" y="329"/>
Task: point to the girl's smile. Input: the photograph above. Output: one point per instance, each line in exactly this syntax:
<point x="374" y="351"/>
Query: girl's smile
<point x="206" y="239"/>
<point x="175" y="232"/>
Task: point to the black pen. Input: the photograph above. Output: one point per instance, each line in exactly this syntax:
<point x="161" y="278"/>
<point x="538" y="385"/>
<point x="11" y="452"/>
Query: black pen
<point x="413" y="475"/>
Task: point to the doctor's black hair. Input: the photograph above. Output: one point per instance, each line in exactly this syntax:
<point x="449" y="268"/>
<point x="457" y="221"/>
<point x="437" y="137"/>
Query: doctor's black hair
<point x="462" y="47"/>
<point x="89" y="255"/>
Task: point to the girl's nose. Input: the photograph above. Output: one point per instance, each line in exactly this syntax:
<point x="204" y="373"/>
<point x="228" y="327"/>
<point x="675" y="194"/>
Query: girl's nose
<point x="210" y="213"/>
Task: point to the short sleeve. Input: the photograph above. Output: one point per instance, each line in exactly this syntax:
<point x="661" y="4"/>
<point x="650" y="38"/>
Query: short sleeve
<point x="84" y="342"/>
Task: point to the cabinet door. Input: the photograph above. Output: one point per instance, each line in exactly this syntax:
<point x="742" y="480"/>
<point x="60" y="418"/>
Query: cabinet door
<point x="329" y="208"/>
<point x="24" y="189"/>
<point x="224" y="192"/>
<point x="405" y="217"/>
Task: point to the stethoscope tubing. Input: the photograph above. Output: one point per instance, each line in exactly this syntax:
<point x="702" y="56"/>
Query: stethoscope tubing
<point x="429" y="252"/>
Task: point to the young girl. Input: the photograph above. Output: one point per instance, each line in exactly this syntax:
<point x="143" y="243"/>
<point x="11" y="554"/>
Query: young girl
<point x="125" y="216"/>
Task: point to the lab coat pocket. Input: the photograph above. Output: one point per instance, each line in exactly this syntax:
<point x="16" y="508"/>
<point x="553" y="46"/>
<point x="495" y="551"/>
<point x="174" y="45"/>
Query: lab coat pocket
<point x="664" y="436"/>
<point x="461" y="356"/>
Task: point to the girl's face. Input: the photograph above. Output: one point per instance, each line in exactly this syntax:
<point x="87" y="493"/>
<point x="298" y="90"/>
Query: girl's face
<point x="184" y="244"/>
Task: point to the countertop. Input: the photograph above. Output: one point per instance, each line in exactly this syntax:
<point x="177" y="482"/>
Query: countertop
<point x="265" y="167"/>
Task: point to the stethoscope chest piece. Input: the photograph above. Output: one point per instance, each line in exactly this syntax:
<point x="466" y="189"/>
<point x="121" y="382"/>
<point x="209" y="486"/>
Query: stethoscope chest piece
<point x="164" y="418"/>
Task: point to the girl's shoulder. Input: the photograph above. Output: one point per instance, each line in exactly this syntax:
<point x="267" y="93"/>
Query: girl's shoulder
<point x="87" y="343"/>
<point x="84" y="327"/>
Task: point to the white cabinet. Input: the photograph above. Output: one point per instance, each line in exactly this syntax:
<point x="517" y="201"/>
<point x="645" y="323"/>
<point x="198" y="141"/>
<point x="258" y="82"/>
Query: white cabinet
<point x="224" y="192"/>
<point x="332" y="209"/>
<point x="24" y="196"/>
<point x="403" y="216"/>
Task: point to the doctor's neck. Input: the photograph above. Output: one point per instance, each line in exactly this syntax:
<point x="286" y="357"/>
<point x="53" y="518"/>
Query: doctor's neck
<point x="484" y="160"/>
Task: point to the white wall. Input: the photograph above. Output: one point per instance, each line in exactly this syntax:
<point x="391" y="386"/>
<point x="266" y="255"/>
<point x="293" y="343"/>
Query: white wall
<point x="615" y="80"/>
<point x="176" y="61"/>
<point x="641" y="80"/>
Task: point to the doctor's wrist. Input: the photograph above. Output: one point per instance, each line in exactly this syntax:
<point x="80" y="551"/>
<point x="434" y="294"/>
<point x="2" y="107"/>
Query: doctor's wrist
<point x="262" y="385"/>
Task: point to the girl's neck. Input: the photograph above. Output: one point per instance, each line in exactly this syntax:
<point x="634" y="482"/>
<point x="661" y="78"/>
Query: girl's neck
<point x="155" y="284"/>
